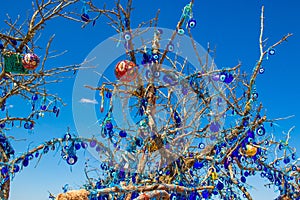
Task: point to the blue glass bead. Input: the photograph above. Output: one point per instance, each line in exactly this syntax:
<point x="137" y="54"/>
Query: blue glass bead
<point x="220" y="185"/>
<point x="192" y="23"/>
<point x="108" y="95"/>
<point x="43" y="107"/>
<point x="286" y="160"/>
<point x="261" y="131"/>
<point x="180" y="31"/>
<point x="277" y="182"/>
<point x="72" y="159"/>
<point x="1" y="46"/>
<point x="280" y="147"/>
<point x="245" y="123"/>
<point x="198" y="165"/>
<point x="34" y="97"/>
<point x="254" y="95"/>
<point x="266" y="142"/>
<point x="98" y="149"/>
<point x="139" y="142"/>
<point x="46" y="149"/>
<point x="170" y="47"/>
<point x="127" y="36"/>
<point x="243" y="179"/>
<point x="271" y="52"/>
<point x="16" y="168"/>
<point x="222" y="76"/>
<point x="93" y="143"/>
<point x="205" y="194"/>
<point x="194" y="196"/>
<point x="77" y="146"/>
<point x="54" y="109"/>
<point x="67" y="136"/>
<point x="293" y="156"/>
<point x="84" y="145"/>
<point x="85" y="17"/>
<point x="2" y="125"/>
<point x="214" y="127"/>
<point x="122" y="134"/>
<point x="4" y="170"/>
<point x="36" y="154"/>
<point x="261" y="70"/>
<point x="25" y="162"/>
<point x="134" y="195"/>
<point x="294" y="168"/>
<point x="14" y="42"/>
<point x="57" y="112"/>
<point x="109" y="126"/>
<point x="229" y="78"/>
<point x="201" y="145"/>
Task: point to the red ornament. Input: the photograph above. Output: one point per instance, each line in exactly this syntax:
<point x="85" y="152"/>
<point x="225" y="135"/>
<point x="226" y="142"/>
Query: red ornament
<point x="126" y="70"/>
<point x="30" y="61"/>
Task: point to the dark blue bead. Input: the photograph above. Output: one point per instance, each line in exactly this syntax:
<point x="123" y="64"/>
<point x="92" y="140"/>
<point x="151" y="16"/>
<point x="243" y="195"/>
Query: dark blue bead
<point x="34" y="97"/>
<point x="243" y="179"/>
<point x="220" y="185"/>
<point x="43" y="107"/>
<point x="85" y="17"/>
<point x="25" y="162"/>
<point x="77" y="146"/>
<point x="1" y="46"/>
<point x="122" y="133"/>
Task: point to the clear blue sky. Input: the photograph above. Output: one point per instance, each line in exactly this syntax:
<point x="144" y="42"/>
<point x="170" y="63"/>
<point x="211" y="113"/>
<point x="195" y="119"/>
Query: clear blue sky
<point x="231" y="26"/>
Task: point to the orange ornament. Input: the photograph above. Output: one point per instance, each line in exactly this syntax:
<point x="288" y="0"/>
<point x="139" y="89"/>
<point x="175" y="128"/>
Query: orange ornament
<point x="251" y="150"/>
<point x="126" y="70"/>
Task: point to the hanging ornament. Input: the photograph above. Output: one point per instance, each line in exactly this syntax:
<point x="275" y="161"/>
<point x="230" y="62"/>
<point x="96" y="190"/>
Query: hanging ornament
<point x="13" y="63"/>
<point x="126" y="71"/>
<point x="251" y="150"/>
<point x="271" y="52"/>
<point x="84" y="16"/>
<point x="180" y="31"/>
<point x="192" y="23"/>
<point x="30" y="61"/>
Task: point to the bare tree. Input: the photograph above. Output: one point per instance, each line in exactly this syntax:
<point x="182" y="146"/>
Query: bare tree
<point x="200" y="131"/>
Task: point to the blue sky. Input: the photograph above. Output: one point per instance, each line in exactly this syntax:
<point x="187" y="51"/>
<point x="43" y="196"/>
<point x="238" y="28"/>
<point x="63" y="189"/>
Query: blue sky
<point x="231" y="26"/>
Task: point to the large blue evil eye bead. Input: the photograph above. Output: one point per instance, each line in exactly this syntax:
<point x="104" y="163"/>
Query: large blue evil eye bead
<point x="261" y="131"/>
<point x="72" y="159"/>
<point x="85" y="17"/>
<point x="192" y="23"/>
<point x="127" y="36"/>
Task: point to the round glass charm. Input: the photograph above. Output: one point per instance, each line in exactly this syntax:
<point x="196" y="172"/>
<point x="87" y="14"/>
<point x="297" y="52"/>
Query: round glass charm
<point x="30" y="61"/>
<point x="126" y="71"/>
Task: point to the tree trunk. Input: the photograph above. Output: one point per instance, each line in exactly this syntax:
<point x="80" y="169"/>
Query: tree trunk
<point x="5" y="188"/>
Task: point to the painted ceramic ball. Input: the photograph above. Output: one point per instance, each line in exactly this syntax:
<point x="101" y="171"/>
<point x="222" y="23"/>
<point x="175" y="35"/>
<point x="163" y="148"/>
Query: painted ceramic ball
<point x="126" y="70"/>
<point x="251" y="150"/>
<point x="30" y="61"/>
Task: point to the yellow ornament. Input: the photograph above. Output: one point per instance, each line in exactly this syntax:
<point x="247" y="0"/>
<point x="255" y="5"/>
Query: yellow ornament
<point x="214" y="175"/>
<point x="251" y="150"/>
